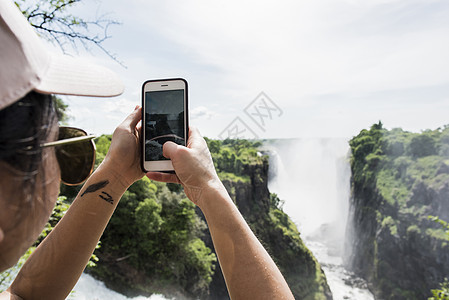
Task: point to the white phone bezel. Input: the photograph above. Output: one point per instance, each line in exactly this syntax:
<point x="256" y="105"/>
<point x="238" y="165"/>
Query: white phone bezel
<point x="161" y="85"/>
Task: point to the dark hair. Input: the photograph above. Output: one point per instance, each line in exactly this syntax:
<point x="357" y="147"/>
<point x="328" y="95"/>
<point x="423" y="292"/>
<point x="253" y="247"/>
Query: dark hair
<point x="24" y="126"/>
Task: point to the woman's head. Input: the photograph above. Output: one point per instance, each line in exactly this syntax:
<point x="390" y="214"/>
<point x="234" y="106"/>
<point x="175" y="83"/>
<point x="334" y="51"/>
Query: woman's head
<point x="29" y="173"/>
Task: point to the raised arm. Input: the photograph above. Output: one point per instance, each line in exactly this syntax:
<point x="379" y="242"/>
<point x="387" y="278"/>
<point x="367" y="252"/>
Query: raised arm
<point x="249" y="271"/>
<point x="55" y="266"/>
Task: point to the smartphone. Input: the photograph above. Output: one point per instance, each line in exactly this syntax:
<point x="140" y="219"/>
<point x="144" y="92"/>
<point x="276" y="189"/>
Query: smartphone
<point x="164" y="118"/>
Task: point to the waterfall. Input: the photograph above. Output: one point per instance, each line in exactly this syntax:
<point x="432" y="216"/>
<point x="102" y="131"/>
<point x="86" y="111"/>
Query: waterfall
<point x="89" y="288"/>
<point x="312" y="176"/>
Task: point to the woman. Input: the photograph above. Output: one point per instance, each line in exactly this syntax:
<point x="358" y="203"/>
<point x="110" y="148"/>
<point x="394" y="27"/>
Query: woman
<point x="30" y="172"/>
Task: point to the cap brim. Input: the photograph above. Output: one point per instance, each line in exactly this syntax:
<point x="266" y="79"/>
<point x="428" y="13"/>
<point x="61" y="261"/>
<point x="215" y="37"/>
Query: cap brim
<point x="69" y="76"/>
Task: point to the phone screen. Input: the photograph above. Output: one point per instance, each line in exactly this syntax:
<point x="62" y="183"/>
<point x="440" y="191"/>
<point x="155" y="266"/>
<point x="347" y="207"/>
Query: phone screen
<point x="164" y="116"/>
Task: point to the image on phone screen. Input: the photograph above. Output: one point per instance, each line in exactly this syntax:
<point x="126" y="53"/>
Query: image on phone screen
<point x="164" y="115"/>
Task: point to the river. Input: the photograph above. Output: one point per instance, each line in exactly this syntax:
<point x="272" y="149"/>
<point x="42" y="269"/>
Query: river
<point x="312" y="176"/>
<point x="88" y="288"/>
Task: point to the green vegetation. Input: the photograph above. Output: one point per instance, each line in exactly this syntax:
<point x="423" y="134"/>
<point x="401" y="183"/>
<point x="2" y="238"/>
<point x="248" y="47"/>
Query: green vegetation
<point x="155" y="232"/>
<point x="233" y="177"/>
<point x="156" y="241"/>
<point x="391" y="224"/>
<point x="232" y="157"/>
<point x="396" y="162"/>
<point x="443" y="292"/>
<point x="61" y="110"/>
<point x="7" y="277"/>
<point x="396" y="179"/>
<point x="243" y="170"/>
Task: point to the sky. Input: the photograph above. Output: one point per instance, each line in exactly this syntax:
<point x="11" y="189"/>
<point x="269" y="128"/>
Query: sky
<point x="279" y="69"/>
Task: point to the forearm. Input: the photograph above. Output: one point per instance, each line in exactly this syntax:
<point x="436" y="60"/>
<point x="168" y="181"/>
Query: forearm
<point x="55" y="266"/>
<point x="249" y="271"/>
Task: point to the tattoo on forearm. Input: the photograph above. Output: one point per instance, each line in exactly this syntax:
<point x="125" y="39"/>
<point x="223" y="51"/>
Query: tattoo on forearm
<point x="95" y="187"/>
<point x="107" y="197"/>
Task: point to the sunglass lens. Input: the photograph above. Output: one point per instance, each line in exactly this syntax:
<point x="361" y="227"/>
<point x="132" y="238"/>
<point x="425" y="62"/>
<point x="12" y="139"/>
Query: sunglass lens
<point x="76" y="160"/>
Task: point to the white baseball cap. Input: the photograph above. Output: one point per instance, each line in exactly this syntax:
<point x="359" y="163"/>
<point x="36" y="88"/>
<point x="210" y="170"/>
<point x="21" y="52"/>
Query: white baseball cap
<point x="26" y="65"/>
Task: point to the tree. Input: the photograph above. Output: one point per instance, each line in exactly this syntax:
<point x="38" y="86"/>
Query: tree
<point x="422" y="145"/>
<point x="61" y="110"/>
<point x="443" y="292"/>
<point x="53" y="20"/>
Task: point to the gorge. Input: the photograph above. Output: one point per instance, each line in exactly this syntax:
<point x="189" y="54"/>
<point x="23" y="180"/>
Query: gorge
<point x="361" y="207"/>
<point x="297" y="170"/>
<point x="340" y="219"/>
<point x="313" y="177"/>
<point x="400" y="186"/>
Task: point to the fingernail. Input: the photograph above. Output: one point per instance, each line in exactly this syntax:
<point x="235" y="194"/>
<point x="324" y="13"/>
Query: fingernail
<point x="137" y="107"/>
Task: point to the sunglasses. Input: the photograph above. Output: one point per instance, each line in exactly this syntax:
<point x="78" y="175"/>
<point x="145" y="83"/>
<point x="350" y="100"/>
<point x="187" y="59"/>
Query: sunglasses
<point x="75" y="151"/>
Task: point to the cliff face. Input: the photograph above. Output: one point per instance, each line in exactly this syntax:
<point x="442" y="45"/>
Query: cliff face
<point x="157" y="240"/>
<point x="397" y="183"/>
<point x="277" y="233"/>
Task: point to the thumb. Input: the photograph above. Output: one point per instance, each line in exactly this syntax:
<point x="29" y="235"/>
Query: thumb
<point x="134" y="118"/>
<point x="169" y="149"/>
<point x="195" y="138"/>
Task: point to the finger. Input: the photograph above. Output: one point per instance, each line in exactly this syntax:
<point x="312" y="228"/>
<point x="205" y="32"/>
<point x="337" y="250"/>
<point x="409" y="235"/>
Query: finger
<point x="133" y="118"/>
<point x="196" y="140"/>
<point x="136" y="116"/>
<point x="163" y="177"/>
<point x="169" y="149"/>
<point x="139" y="129"/>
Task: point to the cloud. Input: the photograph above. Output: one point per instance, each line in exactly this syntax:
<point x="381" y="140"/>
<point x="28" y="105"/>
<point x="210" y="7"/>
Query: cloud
<point x="98" y="115"/>
<point x="202" y="112"/>
<point x="319" y="46"/>
<point x="302" y="54"/>
<point x="119" y="106"/>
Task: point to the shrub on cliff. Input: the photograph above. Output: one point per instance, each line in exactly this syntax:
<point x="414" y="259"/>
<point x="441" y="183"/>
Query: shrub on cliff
<point x="244" y="172"/>
<point x="152" y="243"/>
<point x="398" y="179"/>
<point x="422" y="145"/>
<point x="441" y="293"/>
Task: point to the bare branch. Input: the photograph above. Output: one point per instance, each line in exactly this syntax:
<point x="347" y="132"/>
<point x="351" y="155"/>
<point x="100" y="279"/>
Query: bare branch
<point x="62" y="28"/>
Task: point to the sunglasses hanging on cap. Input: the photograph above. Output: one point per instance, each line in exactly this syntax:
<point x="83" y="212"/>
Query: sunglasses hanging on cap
<point x="75" y="151"/>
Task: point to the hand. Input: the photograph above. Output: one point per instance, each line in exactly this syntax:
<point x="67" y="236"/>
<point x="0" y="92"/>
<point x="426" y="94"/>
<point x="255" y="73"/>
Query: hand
<point x="193" y="166"/>
<point x="123" y="157"/>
